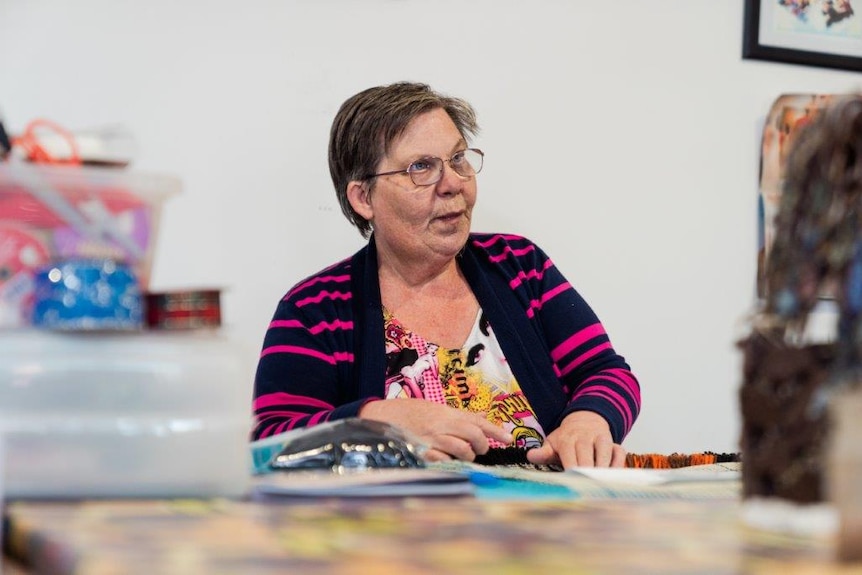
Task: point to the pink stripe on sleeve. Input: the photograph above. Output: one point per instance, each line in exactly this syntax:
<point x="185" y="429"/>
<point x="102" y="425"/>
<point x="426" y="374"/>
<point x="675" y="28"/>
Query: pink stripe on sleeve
<point x="322" y="326"/>
<point x="538" y="274"/>
<point x="304" y="351"/>
<point x="585" y="356"/>
<point x="495" y="238"/>
<point x="286" y="426"/>
<point x="271" y="429"/>
<point x="324" y="295"/>
<point x="618" y="400"/>
<point x="336" y="279"/>
<point x="337" y="324"/>
<point x="576" y="340"/>
<point x="285" y="323"/>
<point x="282" y="413"/>
<point x="626" y="380"/>
<point x="507" y="250"/>
<point x="283" y="398"/>
<point x="546" y="297"/>
<point x="282" y="426"/>
<point x="315" y="419"/>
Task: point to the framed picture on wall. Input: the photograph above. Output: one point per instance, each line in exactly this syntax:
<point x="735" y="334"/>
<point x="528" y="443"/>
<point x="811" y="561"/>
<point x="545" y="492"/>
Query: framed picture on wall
<point x="824" y="33"/>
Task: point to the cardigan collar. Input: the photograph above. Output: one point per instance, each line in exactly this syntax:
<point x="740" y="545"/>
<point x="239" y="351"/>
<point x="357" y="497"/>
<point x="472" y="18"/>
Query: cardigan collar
<point x="519" y="339"/>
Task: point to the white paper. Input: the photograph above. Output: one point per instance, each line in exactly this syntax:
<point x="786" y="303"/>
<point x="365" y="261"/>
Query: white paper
<point x="371" y="483"/>
<point x="646" y="477"/>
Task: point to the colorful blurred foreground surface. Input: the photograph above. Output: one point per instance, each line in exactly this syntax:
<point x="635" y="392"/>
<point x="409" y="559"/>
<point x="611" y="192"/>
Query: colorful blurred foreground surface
<point x="628" y="525"/>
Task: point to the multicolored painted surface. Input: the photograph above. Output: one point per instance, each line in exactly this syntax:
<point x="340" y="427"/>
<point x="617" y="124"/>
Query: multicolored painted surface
<point x="410" y="535"/>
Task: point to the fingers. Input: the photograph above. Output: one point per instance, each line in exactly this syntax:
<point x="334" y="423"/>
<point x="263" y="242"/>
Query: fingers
<point x="459" y="433"/>
<point x="604" y="451"/>
<point x="618" y="458"/>
<point x="584" y="454"/>
<point x="495" y="431"/>
<point x="458" y="447"/>
<point x="581" y="454"/>
<point x="544" y="455"/>
<point x="435" y="455"/>
<point x="475" y="430"/>
<point x="601" y="452"/>
<point x="466" y="437"/>
<point x="471" y="431"/>
<point x="583" y="439"/>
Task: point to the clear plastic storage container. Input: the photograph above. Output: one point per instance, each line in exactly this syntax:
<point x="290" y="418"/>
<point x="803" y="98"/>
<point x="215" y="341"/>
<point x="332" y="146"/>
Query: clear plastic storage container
<point x="146" y="414"/>
<point x="52" y="213"/>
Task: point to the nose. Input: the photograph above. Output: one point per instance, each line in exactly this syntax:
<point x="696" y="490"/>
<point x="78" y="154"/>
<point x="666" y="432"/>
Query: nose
<point x="450" y="181"/>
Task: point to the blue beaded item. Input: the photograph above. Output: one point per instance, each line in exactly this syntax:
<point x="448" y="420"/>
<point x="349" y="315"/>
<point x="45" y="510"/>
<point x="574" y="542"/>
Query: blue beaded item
<point x="87" y="295"/>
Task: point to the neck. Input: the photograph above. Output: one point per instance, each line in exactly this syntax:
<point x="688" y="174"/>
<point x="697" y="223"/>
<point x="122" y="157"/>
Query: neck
<point x="418" y="275"/>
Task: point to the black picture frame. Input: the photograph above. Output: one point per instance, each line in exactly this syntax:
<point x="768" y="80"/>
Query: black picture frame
<point x="787" y="49"/>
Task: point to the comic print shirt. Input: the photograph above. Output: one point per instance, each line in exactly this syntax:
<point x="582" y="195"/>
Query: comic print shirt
<point x="476" y="378"/>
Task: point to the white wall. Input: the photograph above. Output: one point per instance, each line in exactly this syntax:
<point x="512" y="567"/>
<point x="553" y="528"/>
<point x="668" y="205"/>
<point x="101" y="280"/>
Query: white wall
<point x="621" y="136"/>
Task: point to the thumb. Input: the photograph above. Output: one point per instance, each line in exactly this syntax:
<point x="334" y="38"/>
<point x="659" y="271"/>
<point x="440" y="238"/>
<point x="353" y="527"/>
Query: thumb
<point x="543" y="455"/>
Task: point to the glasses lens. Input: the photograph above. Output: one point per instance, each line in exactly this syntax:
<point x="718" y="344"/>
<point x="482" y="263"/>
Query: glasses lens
<point x="425" y="171"/>
<point x="467" y="163"/>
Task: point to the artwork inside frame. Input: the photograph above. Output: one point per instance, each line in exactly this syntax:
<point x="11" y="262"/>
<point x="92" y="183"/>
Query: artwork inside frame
<point x="786" y="116"/>
<point x="823" y="33"/>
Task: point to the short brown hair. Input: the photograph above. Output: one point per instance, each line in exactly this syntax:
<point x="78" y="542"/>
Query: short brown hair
<point x="369" y="122"/>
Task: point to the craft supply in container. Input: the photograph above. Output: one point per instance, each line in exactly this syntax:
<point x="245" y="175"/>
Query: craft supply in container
<point x="184" y="309"/>
<point x="87" y="295"/>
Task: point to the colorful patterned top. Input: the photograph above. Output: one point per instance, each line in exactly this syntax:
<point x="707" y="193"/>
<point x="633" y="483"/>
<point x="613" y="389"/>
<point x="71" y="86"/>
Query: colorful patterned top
<point x="475" y="377"/>
<point x="324" y="353"/>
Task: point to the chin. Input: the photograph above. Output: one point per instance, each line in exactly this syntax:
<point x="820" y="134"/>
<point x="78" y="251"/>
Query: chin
<point x="454" y="243"/>
<point x="449" y="238"/>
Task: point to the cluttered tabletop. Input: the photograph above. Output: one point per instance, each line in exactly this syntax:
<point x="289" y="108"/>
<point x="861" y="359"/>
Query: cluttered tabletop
<point x="457" y="519"/>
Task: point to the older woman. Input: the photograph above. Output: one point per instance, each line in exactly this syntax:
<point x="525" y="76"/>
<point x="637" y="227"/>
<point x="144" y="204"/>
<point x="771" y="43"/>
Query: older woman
<point x="469" y="341"/>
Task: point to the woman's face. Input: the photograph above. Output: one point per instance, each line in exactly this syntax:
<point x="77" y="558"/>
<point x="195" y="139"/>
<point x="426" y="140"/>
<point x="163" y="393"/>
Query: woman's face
<point x="417" y="223"/>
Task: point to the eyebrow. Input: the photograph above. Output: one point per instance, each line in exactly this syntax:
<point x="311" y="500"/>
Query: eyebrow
<point x="461" y="144"/>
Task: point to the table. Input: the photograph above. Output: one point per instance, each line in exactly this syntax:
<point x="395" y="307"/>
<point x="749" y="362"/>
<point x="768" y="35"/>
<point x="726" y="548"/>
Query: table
<point x="410" y="535"/>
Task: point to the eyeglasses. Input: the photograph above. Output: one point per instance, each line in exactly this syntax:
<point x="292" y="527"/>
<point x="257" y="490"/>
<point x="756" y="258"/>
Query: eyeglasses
<point x="427" y="171"/>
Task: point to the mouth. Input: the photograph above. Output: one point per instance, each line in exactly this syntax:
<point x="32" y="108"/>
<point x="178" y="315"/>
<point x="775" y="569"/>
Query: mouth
<point x="450" y="217"/>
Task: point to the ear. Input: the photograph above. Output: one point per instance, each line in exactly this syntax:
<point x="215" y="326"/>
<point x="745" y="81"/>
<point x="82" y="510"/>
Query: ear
<point x="359" y="196"/>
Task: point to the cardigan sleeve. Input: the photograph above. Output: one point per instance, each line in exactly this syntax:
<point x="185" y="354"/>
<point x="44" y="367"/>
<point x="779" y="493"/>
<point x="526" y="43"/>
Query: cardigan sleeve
<point x="594" y="376"/>
<point x="304" y="365"/>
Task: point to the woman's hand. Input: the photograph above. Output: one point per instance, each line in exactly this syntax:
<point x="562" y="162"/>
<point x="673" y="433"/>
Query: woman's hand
<point x="447" y="432"/>
<point x="582" y="439"/>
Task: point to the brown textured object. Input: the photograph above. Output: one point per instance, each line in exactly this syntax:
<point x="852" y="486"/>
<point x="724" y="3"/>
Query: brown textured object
<point x="789" y="380"/>
<point x="516" y="456"/>
<point x="844" y="472"/>
<point x="676" y="460"/>
<point x="783" y="429"/>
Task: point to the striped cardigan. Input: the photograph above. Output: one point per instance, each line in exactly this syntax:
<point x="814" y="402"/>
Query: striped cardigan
<point x="323" y="354"/>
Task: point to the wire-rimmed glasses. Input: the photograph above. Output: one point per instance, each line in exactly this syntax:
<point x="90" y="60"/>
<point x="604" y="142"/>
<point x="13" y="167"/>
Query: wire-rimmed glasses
<point x="427" y="171"/>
